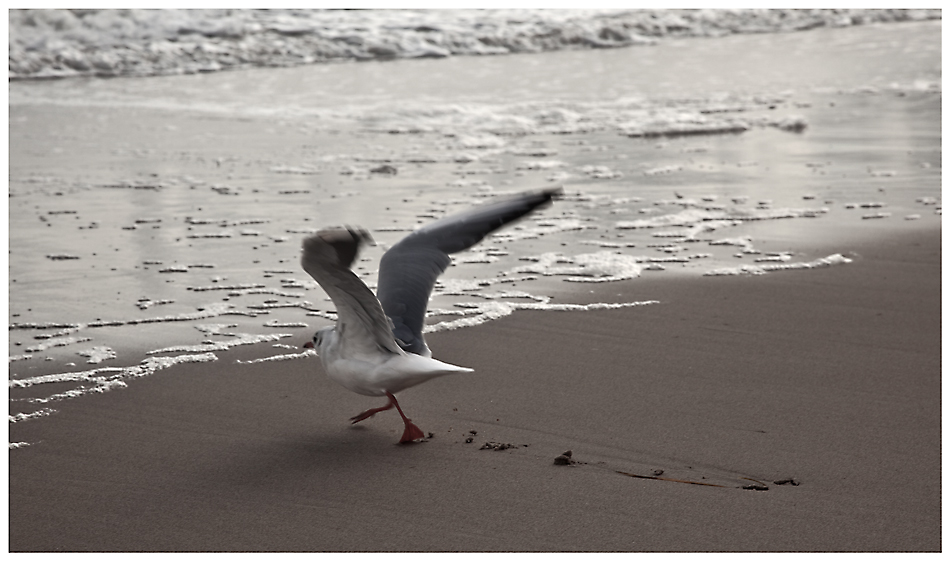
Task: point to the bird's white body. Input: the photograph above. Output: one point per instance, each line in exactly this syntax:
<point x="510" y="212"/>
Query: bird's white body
<point x="375" y="372"/>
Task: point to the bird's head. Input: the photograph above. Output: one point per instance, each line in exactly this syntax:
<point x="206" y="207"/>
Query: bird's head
<point x="318" y="338"/>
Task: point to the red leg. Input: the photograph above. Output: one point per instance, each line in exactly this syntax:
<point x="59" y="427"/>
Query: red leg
<point x="370" y="412"/>
<point x="412" y="432"/>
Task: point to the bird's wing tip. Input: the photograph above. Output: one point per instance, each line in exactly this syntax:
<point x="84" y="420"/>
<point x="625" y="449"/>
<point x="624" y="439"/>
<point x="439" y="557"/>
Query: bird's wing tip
<point x="343" y="242"/>
<point x="361" y="234"/>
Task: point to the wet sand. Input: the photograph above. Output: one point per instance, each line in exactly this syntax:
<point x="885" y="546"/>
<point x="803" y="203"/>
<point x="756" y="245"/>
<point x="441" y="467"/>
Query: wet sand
<point x="829" y="378"/>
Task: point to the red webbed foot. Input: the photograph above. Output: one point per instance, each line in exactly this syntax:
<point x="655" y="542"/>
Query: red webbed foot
<point x="411" y="433"/>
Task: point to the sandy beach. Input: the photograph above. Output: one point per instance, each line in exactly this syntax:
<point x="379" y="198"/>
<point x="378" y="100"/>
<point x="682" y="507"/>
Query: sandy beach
<point x="828" y="380"/>
<point x="723" y="336"/>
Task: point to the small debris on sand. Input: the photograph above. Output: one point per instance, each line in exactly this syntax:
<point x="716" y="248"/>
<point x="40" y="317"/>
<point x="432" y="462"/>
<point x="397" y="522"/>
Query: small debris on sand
<point x="790" y="481"/>
<point x="564" y="459"/>
<point x="497" y="446"/>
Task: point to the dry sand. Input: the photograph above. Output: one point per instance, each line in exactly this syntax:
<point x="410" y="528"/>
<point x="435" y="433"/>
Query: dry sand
<point x="829" y="377"/>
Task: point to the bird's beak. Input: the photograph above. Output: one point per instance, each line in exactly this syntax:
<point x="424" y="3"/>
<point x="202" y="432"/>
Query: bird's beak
<point x="308" y="345"/>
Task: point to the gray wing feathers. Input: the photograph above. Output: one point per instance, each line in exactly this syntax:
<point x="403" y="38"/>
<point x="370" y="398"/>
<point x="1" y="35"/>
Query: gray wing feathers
<point x="407" y="274"/>
<point x="408" y="271"/>
<point x="327" y="256"/>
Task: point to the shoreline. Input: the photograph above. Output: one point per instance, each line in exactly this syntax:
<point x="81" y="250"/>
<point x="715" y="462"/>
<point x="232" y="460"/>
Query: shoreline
<point x="829" y="377"/>
<point x="151" y="197"/>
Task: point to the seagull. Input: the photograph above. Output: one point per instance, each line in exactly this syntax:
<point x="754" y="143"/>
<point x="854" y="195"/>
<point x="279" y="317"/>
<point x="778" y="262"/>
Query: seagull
<point x="376" y="347"/>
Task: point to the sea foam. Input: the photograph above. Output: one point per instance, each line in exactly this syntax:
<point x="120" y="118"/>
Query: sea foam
<point x="60" y="43"/>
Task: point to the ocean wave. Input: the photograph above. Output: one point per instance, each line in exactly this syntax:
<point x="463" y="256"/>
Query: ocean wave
<point x="67" y="43"/>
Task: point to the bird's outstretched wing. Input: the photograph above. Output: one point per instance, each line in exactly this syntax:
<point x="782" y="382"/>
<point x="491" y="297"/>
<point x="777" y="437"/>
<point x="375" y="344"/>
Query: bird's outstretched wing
<point x="408" y="271"/>
<point x="361" y="324"/>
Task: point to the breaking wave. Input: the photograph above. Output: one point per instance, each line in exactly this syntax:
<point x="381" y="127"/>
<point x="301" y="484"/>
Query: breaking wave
<point x="66" y="43"/>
